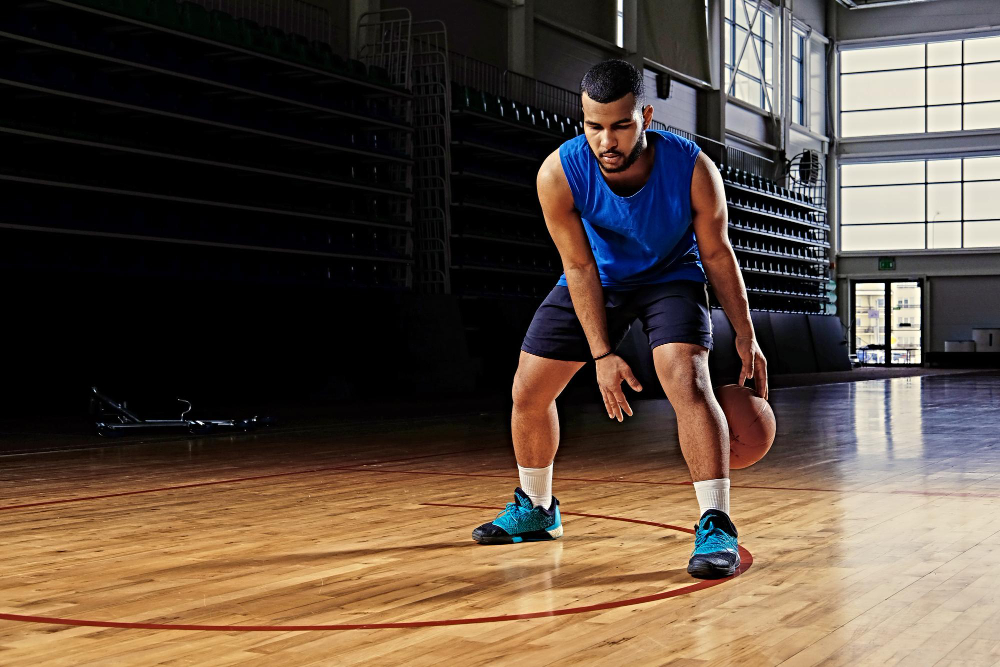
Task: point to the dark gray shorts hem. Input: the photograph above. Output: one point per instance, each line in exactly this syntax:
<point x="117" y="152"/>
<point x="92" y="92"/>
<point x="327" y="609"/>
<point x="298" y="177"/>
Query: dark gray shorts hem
<point x="705" y="341"/>
<point x="555" y="356"/>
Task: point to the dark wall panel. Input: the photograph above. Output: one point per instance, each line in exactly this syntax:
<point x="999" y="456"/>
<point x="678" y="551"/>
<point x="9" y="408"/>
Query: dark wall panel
<point x="679" y="110"/>
<point x="562" y="60"/>
<point x="829" y="342"/>
<point x="793" y="342"/>
<point x="594" y="17"/>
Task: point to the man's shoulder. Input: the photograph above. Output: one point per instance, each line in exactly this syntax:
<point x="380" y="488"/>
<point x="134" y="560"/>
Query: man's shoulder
<point x="573" y="147"/>
<point x="674" y="142"/>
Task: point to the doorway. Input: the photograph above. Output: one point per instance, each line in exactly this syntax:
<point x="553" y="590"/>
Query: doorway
<point x="887" y="322"/>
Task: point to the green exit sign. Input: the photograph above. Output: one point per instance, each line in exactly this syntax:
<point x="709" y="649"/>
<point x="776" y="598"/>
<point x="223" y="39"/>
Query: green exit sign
<point x="886" y="263"/>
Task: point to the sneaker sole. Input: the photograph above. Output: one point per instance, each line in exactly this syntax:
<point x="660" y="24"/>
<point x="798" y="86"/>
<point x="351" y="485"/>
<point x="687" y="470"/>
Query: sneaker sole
<point x="537" y="536"/>
<point x="708" y="571"/>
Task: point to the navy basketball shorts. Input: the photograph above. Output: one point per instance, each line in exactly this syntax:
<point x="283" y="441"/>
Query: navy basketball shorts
<point x="670" y="312"/>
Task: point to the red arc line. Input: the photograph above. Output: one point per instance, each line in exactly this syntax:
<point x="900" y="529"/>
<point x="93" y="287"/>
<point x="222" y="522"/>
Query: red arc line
<point x="746" y="560"/>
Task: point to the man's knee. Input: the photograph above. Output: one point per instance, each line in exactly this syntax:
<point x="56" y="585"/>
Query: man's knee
<point x="526" y="397"/>
<point x="683" y="372"/>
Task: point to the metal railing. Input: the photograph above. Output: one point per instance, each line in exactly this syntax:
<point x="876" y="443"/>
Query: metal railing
<point x="384" y="40"/>
<point x="292" y="16"/>
<point x="432" y="124"/>
<point x="466" y="71"/>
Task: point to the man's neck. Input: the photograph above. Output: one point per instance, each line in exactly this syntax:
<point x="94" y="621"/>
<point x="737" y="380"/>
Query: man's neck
<point x="630" y="181"/>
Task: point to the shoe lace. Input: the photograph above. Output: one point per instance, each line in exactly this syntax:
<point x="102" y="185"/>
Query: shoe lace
<point x="711" y="538"/>
<point x="510" y="508"/>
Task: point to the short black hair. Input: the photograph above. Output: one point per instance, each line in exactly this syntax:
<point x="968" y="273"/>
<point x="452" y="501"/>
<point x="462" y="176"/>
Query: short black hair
<point x="612" y="80"/>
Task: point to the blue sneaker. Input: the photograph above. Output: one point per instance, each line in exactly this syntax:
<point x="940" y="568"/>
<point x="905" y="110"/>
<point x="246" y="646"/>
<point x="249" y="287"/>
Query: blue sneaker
<point x="715" y="552"/>
<point x="521" y="521"/>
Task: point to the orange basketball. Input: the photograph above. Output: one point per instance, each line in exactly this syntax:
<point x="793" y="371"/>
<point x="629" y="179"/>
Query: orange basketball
<point x="751" y="424"/>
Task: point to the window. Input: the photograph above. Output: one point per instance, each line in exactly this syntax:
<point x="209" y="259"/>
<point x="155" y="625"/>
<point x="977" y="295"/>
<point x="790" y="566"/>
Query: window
<point x="754" y="46"/>
<point x="920" y="204"/>
<point x="918" y="88"/>
<point x="798" y="76"/>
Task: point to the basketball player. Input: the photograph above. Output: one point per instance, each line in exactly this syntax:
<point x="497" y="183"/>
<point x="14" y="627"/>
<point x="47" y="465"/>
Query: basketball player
<point x="639" y="219"/>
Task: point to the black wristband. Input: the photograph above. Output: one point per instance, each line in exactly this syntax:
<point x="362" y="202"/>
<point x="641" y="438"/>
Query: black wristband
<point x="603" y="355"/>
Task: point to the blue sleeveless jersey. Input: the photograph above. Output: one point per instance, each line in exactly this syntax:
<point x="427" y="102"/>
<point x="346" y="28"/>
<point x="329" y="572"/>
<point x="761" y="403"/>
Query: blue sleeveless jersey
<point x="647" y="238"/>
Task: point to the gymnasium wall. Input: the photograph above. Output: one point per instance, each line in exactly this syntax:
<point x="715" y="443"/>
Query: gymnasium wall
<point x="680" y="109"/>
<point x="957" y="304"/>
<point x="960" y="289"/>
<point x="562" y="59"/>
<point x="811" y="12"/>
<point x="916" y="18"/>
<point x="595" y="17"/>
<point x="476" y="28"/>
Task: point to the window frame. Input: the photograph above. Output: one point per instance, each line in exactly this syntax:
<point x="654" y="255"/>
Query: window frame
<point x="925" y="41"/>
<point x="924" y="158"/>
<point x="771" y="37"/>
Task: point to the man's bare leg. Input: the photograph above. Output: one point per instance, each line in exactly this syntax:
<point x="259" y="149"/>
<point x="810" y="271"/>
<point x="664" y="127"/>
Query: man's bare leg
<point x="701" y="425"/>
<point x="704" y="436"/>
<point x="534" y="422"/>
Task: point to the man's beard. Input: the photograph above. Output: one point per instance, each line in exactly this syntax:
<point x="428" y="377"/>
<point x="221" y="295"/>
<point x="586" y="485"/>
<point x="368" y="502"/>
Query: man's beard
<point x="640" y="145"/>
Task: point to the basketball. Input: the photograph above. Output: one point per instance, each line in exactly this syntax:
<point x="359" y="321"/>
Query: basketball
<point x="751" y="425"/>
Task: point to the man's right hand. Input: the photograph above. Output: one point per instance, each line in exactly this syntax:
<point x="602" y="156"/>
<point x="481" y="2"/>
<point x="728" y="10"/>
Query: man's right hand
<point x="611" y="370"/>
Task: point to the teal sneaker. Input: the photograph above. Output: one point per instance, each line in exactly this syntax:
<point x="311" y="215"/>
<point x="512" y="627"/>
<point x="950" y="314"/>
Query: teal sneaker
<point x="715" y="552"/>
<point x="521" y="521"/>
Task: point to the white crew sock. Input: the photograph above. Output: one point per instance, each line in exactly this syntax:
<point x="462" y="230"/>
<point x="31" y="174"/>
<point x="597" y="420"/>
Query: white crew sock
<point x="713" y="494"/>
<point x="537" y="484"/>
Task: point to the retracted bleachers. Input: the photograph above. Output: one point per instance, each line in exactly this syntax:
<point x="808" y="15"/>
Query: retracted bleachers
<point x="779" y="232"/>
<point x="503" y="260"/>
<point x="158" y="138"/>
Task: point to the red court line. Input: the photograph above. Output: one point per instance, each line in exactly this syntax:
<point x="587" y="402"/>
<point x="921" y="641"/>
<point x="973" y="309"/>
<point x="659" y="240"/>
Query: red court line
<point x="746" y="560"/>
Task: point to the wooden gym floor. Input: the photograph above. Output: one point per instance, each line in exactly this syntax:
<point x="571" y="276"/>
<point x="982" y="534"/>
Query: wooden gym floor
<point x="871" y="530"/>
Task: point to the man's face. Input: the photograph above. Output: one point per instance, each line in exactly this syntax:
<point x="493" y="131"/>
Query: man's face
<point x="614" y="132"/>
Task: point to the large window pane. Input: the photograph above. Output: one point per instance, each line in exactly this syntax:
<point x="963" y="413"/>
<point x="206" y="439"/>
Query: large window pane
<point x="944" y="170"/>
<point x="944" y="202"/>
<point x="890" y="57"/>
<point x="944" y="119"/>
<point x="882" y="237"/>
<point x="880" y="90"/>
<point x="982" y="200"/>
<point x="892" y="121"/>
<point x="882" y="173"/>
<point x="979" y="50"/>
<point x="888" y="203"/>
<point x="982" y="82"/>
<point x="747" y="90"/>
<point x="729" y="44"/>
<point x="944" y="85"/>
<point x="961" y="200"/>
<point x="741" y="15"/>
<point x="983" y="234"/>
<point x="982" y="116"/>
<point x="944" y="235"/>
<point x="944" y="53"/>
<point x="982" y="169"/>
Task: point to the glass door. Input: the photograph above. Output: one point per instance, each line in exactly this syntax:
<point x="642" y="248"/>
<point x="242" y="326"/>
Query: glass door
<point x="869" y="323"/>
<point x="904" y="325"/>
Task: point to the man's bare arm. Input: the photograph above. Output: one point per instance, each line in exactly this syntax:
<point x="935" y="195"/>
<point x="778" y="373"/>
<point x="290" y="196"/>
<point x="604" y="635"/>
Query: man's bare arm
<point x="711" y="228"/>
<point x="583" y="279"/>
<point x="566" y="228"/>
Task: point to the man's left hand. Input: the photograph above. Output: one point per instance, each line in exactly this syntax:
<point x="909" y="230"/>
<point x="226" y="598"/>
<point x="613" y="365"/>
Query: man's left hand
<point x="754" y="364"/>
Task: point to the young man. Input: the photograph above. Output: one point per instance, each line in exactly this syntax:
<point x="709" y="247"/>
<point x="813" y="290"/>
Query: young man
<point x="639" y="219"/>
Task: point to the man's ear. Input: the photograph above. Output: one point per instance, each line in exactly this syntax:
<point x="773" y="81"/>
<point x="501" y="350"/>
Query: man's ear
<point x="647" y="116"/>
